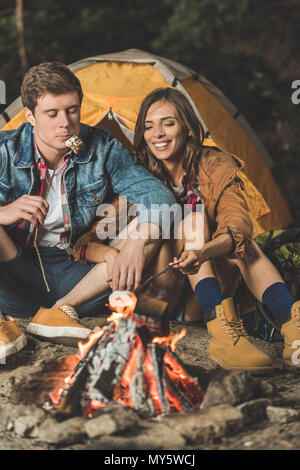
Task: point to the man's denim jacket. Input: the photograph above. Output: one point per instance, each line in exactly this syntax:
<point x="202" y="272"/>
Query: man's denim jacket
<point x="104" y="165"/>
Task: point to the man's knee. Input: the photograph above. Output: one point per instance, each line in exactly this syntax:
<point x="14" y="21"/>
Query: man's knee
<point x="8" y="249"/>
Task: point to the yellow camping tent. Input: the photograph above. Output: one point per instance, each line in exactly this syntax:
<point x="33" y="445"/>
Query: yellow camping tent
<point x="114" y="86"/>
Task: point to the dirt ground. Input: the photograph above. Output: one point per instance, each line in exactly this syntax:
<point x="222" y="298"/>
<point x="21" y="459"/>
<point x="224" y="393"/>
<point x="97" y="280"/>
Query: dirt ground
<point x="193" y="351"/>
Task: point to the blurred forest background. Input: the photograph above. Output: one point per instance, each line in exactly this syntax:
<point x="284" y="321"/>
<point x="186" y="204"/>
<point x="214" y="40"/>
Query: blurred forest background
<point x="248" y="48"/>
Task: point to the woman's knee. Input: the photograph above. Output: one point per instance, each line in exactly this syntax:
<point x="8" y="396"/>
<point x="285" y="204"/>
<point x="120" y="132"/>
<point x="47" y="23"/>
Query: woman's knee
<point x="194" y="230"/>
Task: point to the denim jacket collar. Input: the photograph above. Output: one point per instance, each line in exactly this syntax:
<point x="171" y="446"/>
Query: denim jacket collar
<point x="23" y="156"/>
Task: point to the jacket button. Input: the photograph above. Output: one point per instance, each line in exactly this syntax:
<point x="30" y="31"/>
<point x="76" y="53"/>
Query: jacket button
<point x="96" y="198"/>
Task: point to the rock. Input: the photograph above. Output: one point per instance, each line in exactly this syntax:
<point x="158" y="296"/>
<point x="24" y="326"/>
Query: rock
<point x="66" y="432"/>
<point x="233" y="388"/>
<point x="202" y="426"/>
<point x="294" y="431"/>
<point x="151" y="435"/>
<point x="23" y="425"/>
<point x="264" y="388"/>
<point x="48" y="423"/>
<point x="254" y="410"/>
<point x="5" y="412"/>
<point x="158" y="433"/>
<point x="282" y="415"/>
<point x="113" y="419"/>
<point x="229" y="416"/>
<point x="20" y="418"/>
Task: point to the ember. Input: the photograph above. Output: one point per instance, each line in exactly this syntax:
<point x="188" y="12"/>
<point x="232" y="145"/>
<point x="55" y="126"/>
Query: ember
<point x="127" y="361"/>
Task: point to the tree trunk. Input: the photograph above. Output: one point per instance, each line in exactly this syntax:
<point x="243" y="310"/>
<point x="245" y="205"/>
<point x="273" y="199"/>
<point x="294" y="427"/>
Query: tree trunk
<point x="21" y="40"/>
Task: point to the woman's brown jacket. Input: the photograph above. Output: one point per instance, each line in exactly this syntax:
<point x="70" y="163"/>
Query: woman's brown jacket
<point x="221" y="192"/>
<point x="225" y="205"/>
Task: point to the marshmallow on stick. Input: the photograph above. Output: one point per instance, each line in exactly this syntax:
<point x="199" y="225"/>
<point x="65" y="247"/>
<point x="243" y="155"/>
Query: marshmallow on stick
<point x="74" y="143"/>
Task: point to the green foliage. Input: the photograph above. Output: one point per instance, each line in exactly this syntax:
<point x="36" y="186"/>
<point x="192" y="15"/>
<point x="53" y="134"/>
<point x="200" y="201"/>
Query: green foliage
<point x="69" y="31"/>
<point x="250" y="50"/>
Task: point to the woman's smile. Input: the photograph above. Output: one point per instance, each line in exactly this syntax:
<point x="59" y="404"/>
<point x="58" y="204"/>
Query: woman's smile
<point x="164" y="133"/>
<point x="161" y="145"/>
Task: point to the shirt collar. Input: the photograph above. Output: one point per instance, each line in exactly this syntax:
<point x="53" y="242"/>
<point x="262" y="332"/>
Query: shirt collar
<point x="184" y="182"/>
<point x="40" y="160"/>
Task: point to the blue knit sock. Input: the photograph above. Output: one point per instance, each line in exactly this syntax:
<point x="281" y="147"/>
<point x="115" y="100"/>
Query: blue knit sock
<point x="209" y="293"/>
<point x="278" y="299"/>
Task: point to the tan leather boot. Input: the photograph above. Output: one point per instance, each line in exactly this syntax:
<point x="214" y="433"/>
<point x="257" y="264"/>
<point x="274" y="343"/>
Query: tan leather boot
<point x="12" y="339"/>
<point x="291" y="334"/>
<point x="229" y="347"/>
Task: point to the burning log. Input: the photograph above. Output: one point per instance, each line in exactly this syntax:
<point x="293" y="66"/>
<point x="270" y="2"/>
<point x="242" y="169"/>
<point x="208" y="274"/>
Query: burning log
<point x="124" y="362"/>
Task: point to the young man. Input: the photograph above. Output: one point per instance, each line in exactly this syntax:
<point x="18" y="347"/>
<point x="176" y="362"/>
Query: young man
<point x="48" y="197"/>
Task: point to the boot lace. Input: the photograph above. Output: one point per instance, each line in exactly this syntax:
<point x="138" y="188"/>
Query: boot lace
<point x="297" y="320"/>
<point x="235" y="329"/>
<point x="69" y="311"/>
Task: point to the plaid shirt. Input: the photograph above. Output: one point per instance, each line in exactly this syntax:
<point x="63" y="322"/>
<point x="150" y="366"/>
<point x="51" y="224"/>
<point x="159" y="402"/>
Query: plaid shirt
<point x="25" y="231"/>
<point x="185" y="194"/>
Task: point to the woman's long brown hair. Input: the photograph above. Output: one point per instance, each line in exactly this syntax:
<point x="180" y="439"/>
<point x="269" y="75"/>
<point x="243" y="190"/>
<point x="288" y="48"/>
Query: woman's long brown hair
<point x="188" y="120"/>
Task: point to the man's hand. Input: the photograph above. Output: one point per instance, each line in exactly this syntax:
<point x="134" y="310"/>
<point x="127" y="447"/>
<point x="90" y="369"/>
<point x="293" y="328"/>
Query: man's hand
<point x="110" y="257"/>
<point x="31" y="208"/>
<point x="189" y="262"/>
<point x="128" y="266"/>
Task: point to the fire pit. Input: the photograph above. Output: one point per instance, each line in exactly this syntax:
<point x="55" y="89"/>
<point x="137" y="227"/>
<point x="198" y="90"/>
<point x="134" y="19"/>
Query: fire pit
<point x="129" y="361"/>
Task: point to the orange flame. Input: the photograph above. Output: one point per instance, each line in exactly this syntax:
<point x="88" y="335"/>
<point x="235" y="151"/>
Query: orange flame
<point x="92" y="406"/>
<point x="93" y="337"/>
<point x="171" y="340"/>
<point x="122" y="305"/>
<point x="55" y="396"/>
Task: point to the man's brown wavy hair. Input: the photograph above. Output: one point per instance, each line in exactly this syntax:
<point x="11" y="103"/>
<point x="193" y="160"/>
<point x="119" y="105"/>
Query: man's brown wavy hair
<point x="188" y="120"/>
<point x="49" y="77"/>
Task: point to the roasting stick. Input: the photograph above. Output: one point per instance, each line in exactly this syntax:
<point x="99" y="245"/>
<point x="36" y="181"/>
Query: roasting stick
<point x="139" y="289"/>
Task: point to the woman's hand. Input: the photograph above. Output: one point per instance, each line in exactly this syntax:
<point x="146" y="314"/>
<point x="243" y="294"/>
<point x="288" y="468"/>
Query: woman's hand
<point x="189" y="262"/>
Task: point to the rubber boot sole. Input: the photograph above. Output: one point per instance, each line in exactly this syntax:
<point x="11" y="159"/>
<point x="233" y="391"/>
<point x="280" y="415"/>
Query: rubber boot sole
<point x="67" y="336"/>
<point x="13" y="347"/>
<point x="217" y="362"/>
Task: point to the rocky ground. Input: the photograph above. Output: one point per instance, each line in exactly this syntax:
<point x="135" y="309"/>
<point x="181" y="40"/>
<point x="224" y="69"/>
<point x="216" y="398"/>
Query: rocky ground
<point x="241" y="411"/>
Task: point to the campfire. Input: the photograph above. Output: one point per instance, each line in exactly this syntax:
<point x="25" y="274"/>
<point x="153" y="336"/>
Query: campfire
<point x="129" y="361"/>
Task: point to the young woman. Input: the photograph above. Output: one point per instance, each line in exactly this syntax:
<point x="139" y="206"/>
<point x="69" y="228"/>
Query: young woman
<point x="168" y="141"/>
